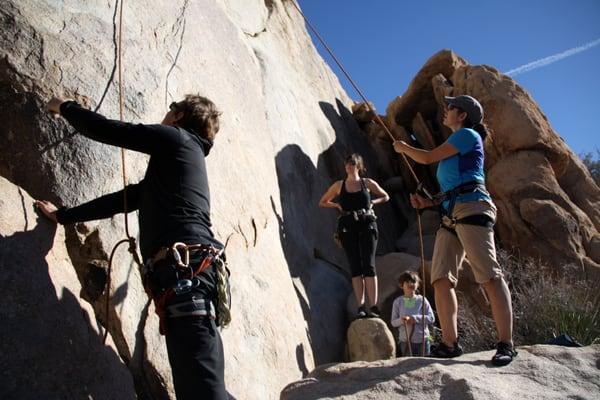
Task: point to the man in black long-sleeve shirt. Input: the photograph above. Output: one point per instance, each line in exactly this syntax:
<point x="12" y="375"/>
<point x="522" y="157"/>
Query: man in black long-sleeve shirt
<point x="173" y="201"/>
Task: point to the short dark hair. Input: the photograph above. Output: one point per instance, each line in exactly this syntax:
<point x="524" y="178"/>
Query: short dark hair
<point x="357" y="160"/>
<point x="409" y="276"/>
<point x="200" y="115"/>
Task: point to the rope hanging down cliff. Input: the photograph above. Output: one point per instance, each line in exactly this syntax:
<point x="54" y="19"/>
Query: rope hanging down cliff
<point x="129" y="239"/>
<point x="420" y="187"/>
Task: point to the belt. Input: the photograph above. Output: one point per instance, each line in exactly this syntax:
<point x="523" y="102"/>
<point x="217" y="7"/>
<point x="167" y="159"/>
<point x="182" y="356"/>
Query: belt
<point x="358" y="213"/>
<point x="450" y="223"/>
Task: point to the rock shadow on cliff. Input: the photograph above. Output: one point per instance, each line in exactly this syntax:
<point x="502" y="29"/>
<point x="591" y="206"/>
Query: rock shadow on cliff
<point x="49" y="345"/>
<point x="306" y="231"/>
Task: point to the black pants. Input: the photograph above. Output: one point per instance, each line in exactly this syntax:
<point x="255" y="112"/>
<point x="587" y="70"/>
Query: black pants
<point x="360" y="243"/>
<point x="196" y="356"/>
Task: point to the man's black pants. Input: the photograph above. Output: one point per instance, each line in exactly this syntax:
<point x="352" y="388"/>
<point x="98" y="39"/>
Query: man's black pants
<point x="196" y="356"/>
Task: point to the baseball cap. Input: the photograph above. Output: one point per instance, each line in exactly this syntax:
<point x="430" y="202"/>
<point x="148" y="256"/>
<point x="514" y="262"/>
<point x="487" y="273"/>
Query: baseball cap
<point x="469" y="105"/>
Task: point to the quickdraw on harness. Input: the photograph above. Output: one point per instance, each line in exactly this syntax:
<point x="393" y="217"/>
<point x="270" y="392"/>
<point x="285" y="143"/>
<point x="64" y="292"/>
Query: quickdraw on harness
<point x="187" y="278"/>
<point x="448" y="221"/>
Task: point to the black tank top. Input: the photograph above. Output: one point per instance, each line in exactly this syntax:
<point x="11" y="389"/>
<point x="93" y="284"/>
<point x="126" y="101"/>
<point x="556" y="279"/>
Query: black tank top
<point x="352" y="201"/>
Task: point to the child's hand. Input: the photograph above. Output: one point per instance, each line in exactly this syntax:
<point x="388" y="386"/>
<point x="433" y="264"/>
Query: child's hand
<point x="409" y="320"/>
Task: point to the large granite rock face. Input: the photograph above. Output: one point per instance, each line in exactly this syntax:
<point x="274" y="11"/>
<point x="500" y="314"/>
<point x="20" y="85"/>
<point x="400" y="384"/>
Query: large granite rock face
<point x="548" y="204"/>
<point x="541" y="371"/>
<point x="51" y="343"/>
<point x="285" y="129"/>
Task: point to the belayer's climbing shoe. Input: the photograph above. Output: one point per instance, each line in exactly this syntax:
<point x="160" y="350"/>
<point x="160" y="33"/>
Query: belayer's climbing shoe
<point x="373" y="312"/>
<point x="442" y="350"/>
<point x="505" y="353"/>
<point x="361" y="313"/>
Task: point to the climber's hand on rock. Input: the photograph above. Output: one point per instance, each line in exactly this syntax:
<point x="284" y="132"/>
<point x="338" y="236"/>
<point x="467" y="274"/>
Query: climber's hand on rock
<point x="53" y="106"/>
<point x="47" y="209"/>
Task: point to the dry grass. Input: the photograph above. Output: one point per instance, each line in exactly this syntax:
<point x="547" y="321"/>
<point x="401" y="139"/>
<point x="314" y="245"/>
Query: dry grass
<point x="546" y="303"/>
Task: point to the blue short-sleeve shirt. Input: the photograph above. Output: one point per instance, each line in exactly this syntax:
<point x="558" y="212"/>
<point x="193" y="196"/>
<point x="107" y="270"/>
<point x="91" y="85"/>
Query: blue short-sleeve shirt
<point x="465" y="166"/>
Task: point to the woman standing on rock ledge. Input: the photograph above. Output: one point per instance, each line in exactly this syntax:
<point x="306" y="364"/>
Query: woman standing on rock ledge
<point x="468" y="216"/>
<point x="357" y="229"/>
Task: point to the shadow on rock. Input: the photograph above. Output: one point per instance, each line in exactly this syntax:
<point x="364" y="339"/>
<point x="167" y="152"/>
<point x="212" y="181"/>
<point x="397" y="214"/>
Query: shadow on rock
<point x="50" y="348"/>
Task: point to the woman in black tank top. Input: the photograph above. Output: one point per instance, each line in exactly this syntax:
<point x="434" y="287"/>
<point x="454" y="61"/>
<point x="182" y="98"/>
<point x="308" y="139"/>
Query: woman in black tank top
<point x="357" y="229"/>
<point x="351" y="201"/>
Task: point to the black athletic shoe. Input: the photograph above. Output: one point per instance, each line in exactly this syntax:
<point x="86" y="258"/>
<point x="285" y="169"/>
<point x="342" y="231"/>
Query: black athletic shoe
<point x="444" y="351"/>
<point x="504" y="354"/>
<point x="361" y="313"/>
<point x="374" y="312"/>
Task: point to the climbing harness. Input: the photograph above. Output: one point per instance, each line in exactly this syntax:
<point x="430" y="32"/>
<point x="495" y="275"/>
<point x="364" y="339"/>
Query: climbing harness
<point x="182" y="278"/>
<point x="449" y="222"/>
<point x="420" y="188"/>
<point x="363" y="213"/>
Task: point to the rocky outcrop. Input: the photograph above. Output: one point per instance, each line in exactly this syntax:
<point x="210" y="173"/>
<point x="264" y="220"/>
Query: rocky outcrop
<point x="541" y="371"/>
<point x="548" y="204"/>
<point x="51" y="343"/>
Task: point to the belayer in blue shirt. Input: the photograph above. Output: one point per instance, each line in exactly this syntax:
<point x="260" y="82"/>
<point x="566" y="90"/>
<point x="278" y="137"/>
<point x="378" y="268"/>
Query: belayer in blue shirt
<point x="468" y="216"/>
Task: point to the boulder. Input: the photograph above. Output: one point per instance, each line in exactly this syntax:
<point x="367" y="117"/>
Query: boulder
<point x="531" y="166"/>
<point x="370" y="339"/>
<point x="540" y="371"/>
<point x="548" y="204"/>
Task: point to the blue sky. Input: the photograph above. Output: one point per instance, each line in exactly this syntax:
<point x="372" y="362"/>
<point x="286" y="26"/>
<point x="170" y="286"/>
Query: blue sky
<point x="384" y="43"/>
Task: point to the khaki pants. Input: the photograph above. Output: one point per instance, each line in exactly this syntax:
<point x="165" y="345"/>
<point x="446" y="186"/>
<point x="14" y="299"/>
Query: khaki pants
<point x="476" y="241"/>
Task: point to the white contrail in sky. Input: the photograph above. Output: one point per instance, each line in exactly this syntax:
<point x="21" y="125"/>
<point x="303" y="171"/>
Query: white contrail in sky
<point x="551" y="59"/>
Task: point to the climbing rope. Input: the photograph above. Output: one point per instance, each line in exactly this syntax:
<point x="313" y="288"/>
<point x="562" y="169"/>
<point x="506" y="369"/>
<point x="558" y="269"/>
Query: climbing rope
<point x="419" y="212"/>
<point x="408" y="337"/>
<point x="355" y="86"/>
<point x="420" y="187"/>
<point x="131" y="240"/>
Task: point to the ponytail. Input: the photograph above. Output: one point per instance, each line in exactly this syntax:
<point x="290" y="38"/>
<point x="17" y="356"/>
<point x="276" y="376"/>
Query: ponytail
<point x="478" y="127"/>
<point x="482" y="130"/>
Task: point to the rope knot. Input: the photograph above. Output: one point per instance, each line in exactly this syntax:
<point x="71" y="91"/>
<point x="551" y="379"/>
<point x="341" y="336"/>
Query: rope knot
<point x="132" y="245"/>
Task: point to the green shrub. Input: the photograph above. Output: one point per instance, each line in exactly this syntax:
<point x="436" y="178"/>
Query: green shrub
<point x="593" y="165"/>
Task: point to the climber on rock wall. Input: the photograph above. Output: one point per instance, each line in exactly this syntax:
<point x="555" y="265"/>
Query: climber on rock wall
<point x="173" y="201"/>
